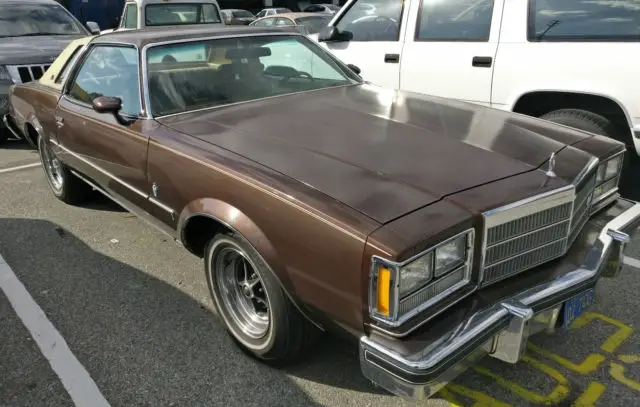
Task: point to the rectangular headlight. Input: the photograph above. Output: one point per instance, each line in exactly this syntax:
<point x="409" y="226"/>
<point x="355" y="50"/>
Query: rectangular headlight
<point x="401" y="290"/>
<point x="608" y="175"/>
<point x="416" y="274"/>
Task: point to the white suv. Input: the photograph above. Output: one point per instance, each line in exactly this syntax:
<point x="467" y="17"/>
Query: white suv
<point x="574" y="62"/>
<point x="138" y="14"/>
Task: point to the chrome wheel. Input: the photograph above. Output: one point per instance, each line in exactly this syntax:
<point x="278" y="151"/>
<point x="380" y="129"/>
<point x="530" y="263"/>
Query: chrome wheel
<point x="242" y="292"/>
<point x="52" y="167"/>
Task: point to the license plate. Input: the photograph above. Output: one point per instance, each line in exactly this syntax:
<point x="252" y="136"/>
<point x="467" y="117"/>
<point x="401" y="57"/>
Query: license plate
<point x="574" y="307"/>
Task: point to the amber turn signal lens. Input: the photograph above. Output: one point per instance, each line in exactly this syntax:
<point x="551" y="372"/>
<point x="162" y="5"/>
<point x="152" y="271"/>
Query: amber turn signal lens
<point x="384" y="288"/>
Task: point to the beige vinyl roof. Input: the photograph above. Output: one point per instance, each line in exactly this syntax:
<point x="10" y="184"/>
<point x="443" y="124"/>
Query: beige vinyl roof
<point x="49" y="77"/>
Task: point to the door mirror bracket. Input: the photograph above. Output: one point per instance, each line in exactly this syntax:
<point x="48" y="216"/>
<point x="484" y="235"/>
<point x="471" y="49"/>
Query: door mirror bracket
<point x="109" y="104"/>
<point x="332" y="34"/>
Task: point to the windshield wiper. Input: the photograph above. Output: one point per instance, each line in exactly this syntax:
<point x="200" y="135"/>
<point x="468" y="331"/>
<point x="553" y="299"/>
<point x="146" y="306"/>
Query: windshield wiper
<point x="550" y="25"/>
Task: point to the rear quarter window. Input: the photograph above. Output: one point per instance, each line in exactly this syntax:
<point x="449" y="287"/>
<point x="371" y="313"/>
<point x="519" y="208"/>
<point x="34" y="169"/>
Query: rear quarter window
<point x="584" y="20"/>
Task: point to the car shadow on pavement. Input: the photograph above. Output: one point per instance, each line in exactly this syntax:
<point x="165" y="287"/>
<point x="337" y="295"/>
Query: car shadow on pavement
<point x="97" y="201"/>
<point x="14" y="144"/>
<point x="143" y="341"/>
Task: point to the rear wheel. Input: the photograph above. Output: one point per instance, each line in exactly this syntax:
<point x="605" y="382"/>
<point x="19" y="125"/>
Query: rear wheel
<point x="64" y="185"/>
<point x="257" y="313"/>
<point x="597" y="124"/>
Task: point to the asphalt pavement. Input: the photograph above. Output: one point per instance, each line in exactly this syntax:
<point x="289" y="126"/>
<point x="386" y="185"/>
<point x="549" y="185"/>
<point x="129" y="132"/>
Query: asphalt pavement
<point x="132" y="310"/>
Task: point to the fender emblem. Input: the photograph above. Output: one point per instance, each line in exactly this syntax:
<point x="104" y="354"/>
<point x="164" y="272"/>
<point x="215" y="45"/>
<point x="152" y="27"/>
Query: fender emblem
<point x="551" y="166"/>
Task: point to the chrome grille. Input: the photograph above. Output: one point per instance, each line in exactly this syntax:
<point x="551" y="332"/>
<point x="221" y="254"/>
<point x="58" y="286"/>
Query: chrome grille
<point x="581" y="207"/>
<point x="523" y="236"/>
<point x="27" y="73"/>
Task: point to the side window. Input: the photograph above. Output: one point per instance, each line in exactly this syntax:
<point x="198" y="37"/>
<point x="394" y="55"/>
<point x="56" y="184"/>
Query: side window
<point x="580" y="20"/>
<point x="209" y="14"/>
<point x="130" y="16"/>
<point x="376" y="20"/>
<point x="267" y="22"/>
<point x="454" y="20"/>
<point x="70" y="63"/>
<point x="109" y="71"/>
<point x="284" y="21"/>
<point x="261" y="14"/>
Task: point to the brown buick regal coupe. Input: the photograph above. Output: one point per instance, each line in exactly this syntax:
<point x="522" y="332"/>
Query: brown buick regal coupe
<point x="429" y="231"/>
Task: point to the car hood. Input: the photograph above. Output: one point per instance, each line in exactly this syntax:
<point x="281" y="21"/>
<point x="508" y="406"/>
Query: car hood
<point x="384" y="153"/>
<point x="33" y="50"/>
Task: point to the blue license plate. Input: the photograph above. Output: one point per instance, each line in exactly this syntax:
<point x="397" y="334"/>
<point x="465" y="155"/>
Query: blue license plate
<point x="576" y="306"/>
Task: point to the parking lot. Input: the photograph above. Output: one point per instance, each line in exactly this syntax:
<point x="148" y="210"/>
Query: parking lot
<point x="136" y="325"/>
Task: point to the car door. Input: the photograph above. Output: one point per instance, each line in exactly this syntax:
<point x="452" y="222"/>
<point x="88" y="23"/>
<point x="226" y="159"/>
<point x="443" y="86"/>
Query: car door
<point x="109" y="148"/>
<point x="377" y="29"/>
<point x="450" y="48"/>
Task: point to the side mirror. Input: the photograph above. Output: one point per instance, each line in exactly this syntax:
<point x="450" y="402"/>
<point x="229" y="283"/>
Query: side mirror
<point x="354" y="68"/>
<point x="93" y="27"/>
<point x="107" y="104"/>
<point x="332" y="34"/>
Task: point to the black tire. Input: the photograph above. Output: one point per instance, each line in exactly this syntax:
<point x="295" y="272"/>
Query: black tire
<point x="4" y="135"/>
<point x="288" y="334"/>
<point x="594" y="123"/>
<point x="65" y="186"/>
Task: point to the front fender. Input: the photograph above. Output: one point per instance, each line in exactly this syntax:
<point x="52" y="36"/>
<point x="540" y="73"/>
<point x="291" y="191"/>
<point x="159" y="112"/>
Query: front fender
<point x="235" y="220"/>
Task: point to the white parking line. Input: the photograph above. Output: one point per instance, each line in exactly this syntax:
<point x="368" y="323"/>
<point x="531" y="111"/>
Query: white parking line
<point x="630" y="261"/>
<point x="74" y="377"/>
<point x="18" y="168"/>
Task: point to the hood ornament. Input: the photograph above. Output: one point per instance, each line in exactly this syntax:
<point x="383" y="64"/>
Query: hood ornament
<point x="551" y="166"/>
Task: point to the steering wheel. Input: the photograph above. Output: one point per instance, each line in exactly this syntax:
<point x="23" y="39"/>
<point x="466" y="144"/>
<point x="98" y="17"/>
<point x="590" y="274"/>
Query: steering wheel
<point x="306" y="75"/>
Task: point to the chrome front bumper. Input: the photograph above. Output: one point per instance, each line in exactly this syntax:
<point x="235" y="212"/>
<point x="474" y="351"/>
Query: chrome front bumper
<point x="502" y="329"/>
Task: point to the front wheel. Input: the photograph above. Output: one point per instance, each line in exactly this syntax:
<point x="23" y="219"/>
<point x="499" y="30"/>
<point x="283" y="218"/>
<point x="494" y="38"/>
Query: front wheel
<point x="254" y="308"/>
<point x="65" y="186"/>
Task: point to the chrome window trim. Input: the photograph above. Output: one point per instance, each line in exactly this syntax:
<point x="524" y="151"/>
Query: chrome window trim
<point x="73" y="60"/>
<point x="394" y="321"/>
<point x="145" y="72"/>
<point x="81" y="59"/>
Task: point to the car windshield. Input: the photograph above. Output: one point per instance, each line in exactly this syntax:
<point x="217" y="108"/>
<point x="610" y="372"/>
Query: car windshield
<point x="37" y="19"/>
<point x="209" y="73"/>
<point x="313" y="24"/>
<point x="181" y="13"/>
<point x="241" y="14"/>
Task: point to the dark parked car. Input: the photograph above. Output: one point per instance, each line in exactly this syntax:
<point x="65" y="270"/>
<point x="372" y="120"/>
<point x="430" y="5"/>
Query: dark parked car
<point x="430" y="231"/>
<point x="32" y="34"/>
<point x="322" y="8"/>
<point x="237" y="16"/>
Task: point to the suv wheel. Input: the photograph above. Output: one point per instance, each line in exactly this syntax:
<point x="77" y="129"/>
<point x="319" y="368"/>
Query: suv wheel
<point x="595" y="123"/>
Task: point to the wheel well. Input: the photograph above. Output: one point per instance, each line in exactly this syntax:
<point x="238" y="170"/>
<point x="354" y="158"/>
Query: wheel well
<point x="198" y="231"/>
<point x="31" y="133"/>
<point x="538" y="103"/>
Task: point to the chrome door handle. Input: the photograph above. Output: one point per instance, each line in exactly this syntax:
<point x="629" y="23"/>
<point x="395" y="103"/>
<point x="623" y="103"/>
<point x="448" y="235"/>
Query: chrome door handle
<point x="59" y="121"/>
